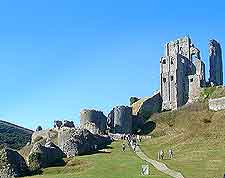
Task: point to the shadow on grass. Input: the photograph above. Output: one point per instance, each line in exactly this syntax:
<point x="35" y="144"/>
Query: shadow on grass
<point x="100" y="151"/>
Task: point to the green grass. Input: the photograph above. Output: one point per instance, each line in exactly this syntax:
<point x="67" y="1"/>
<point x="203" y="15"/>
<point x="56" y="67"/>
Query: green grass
<point x="197" y="137"/>
<point x="212" y="92"/>
<point x="111" y="163"/>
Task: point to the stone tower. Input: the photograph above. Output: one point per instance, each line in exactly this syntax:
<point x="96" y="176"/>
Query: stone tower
<point x="120" y="120"/>
<point x="94" y="121"/>
<point x="216" y="66"/>
<point x="182" y="73"/>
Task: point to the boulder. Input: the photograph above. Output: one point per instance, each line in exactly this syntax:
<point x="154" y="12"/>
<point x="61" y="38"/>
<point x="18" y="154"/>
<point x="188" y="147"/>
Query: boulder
<point x="44" y="156"/>
<point x="75" y="142"/>
<point x="12" y="164"/>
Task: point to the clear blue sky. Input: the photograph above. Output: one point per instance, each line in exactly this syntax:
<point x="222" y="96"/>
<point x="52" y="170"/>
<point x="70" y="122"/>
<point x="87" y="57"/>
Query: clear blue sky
<point x="58" y="57"/>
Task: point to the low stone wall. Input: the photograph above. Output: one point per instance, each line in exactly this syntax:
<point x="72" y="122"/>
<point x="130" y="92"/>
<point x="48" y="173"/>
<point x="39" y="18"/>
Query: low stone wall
<point x="217" y="104"/>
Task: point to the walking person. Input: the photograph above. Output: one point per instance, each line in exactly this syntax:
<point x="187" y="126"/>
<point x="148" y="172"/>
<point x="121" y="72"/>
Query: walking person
<point x="161" y="154"/>
<point x="170" y="153"/>
<point x="123" y="147"/>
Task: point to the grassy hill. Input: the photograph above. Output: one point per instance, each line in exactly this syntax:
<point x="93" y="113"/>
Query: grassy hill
<point x="197" y="137"/>
<point x="108" y="163"/>
<point x="13" y="136"/>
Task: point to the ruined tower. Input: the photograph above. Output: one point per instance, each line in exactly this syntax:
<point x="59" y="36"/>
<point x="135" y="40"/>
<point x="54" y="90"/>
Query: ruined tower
<point x="216" y="66"/>
<point x="182" y="73"/>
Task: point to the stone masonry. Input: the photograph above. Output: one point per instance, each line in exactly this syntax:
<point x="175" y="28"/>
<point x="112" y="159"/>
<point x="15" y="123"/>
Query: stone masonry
<point x="94" y="121"/>
<point x="182" y="73"/>
<point x="120" y="120"/>
<point x="216" y="66"/>
<point x="217" y="104"/>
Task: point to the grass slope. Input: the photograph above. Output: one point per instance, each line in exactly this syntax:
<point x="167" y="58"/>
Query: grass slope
<point x="197" y="137"/>
<point x="109" y="163"/>
<point x="13" y="136"/>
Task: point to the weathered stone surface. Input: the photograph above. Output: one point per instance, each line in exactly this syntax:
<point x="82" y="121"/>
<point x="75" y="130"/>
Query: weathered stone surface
<point x="148" y="105"/>
<point x="120" y="120"/>
<point x="44" y="134"/>
<point x="75" y="142"/>
<point x="179" y="73"/>
<point x="217" y="104"/>
<point x="216" y="66"/>
<point x="44" y="156"/>
<point x="12" y="164"/>
<point x="94" y="121"/>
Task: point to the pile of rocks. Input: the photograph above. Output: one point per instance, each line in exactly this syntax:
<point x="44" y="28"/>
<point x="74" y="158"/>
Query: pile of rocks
<point x="12" y="164"/>
<point x="44" y="156"/>
<point x="75" y="142"/>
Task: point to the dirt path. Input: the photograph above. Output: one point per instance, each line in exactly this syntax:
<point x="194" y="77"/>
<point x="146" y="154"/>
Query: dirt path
<point x="158" y="165"/>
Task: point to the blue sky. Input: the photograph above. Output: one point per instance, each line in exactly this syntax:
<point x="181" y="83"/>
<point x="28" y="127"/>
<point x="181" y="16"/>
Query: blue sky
<point x="58" y="57"/>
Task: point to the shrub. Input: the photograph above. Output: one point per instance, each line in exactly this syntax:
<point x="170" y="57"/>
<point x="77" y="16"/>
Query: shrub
<point x="39" y="128"/>
<point x="133" y="100"/>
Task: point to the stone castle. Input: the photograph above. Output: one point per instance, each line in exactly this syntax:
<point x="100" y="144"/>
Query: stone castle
<point x="182" y="72"/>
<point x="182" y="75"/>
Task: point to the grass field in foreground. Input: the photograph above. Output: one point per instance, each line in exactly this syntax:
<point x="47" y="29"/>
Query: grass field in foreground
<point x="111" y="163"/>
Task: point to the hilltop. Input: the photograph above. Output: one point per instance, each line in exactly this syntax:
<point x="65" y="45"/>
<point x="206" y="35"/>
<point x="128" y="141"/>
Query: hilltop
<point x="14" y="136"/>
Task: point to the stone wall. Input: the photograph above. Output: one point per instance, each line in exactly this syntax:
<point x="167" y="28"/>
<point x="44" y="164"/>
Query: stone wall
<point x="94" y="121"/>
<point x="181" y="73"/>
<point x="216" y="66"/>
<point x="120" y="119"/>
<point x="217" y="104"/>
<point x="147" y="105"/>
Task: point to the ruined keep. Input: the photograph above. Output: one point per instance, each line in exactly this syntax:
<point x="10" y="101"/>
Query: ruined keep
<point x="216" y="66"/>
<point x="182" y="73"/>
<point x="94" y="121"/>
<point x="120" y="120"/>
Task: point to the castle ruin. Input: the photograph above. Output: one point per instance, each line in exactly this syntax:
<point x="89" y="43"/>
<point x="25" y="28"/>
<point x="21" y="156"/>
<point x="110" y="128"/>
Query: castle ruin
<point x="216" y="66"/>
<point x="182" y="72"/>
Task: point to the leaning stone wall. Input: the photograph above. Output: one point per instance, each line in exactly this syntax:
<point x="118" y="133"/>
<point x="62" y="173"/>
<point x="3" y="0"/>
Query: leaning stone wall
<point x="92" y="120"/>
<point x="147" y="105"/>
<point x="217" y="104"/>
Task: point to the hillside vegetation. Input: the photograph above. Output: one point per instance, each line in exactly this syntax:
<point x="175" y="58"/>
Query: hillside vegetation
<point x="196" y="135"/>
<point x="13" y="136"/>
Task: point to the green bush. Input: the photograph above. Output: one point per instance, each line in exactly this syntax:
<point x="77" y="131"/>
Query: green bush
<point x="133" y="100"/>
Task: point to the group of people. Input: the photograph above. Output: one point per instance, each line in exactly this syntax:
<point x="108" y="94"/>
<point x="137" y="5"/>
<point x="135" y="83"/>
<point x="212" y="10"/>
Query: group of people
<point x="131" y="141"/>
<point x="160" y="154"/>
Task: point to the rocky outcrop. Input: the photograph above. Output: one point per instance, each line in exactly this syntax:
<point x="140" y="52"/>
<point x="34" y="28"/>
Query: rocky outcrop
<point x="44" y="156"/>
<point x="120" y="120"/>
<point x="94" y="121"/>
<point x="75" y="142"/>
<point x="12" y="164"/>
